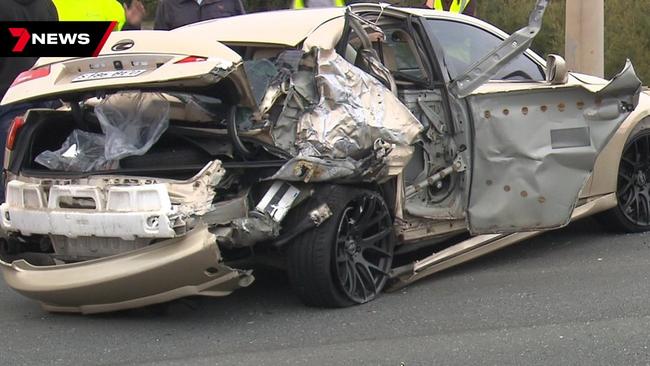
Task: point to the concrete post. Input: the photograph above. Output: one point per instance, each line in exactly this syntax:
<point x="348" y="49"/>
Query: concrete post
<point x="585" y="36"/>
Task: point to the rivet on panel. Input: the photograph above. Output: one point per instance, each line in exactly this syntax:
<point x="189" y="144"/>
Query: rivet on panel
<point x="561" y="107"/>
<point x="488" y="182"/>
<point x="580" y="105"/>
<point x="544" y="108"/>
<point x="506" y="112"/>
<point x="506" y="188"/>
<point x="541" y="200"/>
<point x="488" y="114"/>
<point x="524" y="111"/>
<point x="524" y="194"/>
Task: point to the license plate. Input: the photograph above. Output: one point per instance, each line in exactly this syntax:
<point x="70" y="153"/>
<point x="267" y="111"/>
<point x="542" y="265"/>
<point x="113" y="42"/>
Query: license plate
<point x="107" y="75"/>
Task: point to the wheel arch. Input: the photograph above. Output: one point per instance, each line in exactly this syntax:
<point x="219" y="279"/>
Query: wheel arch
<point x="604" y="176"/>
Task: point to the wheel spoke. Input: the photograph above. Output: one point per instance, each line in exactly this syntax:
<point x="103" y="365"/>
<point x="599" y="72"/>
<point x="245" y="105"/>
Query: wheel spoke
<point x="645" y="205"/>
<point x="368" y="210"/>
<point x="372" y="239"/>
<point x="634" y="181"/>
<point x="365" y="274"/>
<point x="381" y="251"/>
<point x="352" y="276"/>
<point x="627" y="160"/>
<point x="629" y="200"/>
<point x="626" y="188"/>
<point x="626" y="177"/>
<point x="370" y="223"/>
<point x="363" y="248"/>
<point x="364" y="289"/>
<point x="372" y="266"/>
<point x="341" y="257"/>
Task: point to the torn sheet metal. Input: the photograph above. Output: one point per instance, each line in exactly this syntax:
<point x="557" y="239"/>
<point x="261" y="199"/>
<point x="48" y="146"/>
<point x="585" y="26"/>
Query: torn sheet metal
<point x="354" y="118"/>
<point x="315" y="169"/>
<point x="253" y="229"/>
<point x="195" y="195"/>
<point x="224" y="212"/>
<point x="535" y="158"/>
<point x="510" y="48"/>
<point x="354" y="110"/>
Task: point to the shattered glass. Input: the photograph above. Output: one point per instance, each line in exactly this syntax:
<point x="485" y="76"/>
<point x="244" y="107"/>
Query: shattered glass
<point x="259" y="74"/>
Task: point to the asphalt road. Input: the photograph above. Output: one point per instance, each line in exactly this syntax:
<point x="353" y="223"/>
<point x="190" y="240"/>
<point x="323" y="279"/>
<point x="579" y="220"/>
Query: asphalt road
<point x="576" y="296"/>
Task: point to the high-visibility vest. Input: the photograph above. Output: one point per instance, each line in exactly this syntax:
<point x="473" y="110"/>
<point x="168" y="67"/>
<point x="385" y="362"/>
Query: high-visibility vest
<point x="457" y="6"/>
<point x="300" y="4"/>
<point x="87" y="10"/>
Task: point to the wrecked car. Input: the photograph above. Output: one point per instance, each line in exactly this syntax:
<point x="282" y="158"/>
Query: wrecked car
<point x="359" y="149"/>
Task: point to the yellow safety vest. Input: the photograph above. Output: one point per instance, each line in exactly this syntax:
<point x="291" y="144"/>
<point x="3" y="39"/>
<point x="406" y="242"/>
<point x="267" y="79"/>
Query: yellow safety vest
<point x="300" y="4"/>
<point x="87" y="10"/>
<point x="457" y="6"/>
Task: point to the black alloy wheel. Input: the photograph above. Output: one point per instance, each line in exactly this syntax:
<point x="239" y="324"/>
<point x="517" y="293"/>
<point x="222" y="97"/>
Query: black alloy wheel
<point x="632" y="213"/>
<point x="363" y="248"/>
<point x="347" y="259"/>
<point x="633" y="191"/>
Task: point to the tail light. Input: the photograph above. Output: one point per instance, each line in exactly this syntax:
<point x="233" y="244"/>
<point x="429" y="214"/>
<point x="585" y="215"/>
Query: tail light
<point x="16" y="125"/>
<point x="32" y="74"/>
<point x="191" y="59"/>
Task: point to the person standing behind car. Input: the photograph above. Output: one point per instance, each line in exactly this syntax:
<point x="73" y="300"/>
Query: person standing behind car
<point x="301" y="4"/>
<point x="455" y="6"/>
<point x="128" y="15"/>
<point x="10" y="67"/>
<point x="172" y="14"/>
<point x="21" y="10"/>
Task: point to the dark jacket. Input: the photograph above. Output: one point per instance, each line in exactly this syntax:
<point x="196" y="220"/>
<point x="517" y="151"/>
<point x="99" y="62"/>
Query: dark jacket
<point x="172" y="14"/>
<point x="18" y="10"/>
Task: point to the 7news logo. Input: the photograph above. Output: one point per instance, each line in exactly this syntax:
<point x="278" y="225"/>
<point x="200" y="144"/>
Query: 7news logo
<point x="25" y="37"/>
<point x="53" y="39"/>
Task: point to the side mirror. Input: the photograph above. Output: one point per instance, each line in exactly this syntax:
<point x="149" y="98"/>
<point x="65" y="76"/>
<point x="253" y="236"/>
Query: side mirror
<point x="556" y="70"/>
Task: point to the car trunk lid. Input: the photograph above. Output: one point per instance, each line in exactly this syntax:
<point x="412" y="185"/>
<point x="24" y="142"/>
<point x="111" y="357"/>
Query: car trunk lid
<point x="134" y="60"/>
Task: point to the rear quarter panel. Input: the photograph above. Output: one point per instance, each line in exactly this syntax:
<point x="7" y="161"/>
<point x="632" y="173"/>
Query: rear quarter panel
<point x="604" y="177"/>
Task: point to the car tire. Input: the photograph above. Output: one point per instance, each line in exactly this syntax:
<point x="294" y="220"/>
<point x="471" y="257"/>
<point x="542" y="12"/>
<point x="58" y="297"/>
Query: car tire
<point x="346" y="260"/>
<point x="632" y="211"/>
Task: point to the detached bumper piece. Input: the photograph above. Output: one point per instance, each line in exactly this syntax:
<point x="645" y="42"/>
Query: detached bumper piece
<point x="158" y="273"/>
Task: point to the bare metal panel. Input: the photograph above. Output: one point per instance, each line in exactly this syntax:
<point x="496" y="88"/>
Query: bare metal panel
<point x="570" y="137"/>
<point x="522" y="180"/>
<point x="510" y="48"/>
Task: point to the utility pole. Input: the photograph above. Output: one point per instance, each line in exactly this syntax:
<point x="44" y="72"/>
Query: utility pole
<point x="585" y="36"/>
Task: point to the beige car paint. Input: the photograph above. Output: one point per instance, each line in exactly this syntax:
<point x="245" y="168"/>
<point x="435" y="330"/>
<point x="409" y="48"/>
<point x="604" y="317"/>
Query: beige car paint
<point x="157" y="273"/>
<point x="169" y="260"/>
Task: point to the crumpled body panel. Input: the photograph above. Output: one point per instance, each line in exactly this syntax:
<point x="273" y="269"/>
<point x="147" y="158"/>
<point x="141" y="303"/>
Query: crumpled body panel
<point x="535" y="149"/>
<point x="171" y="269"/>
<point x="356" y="119"/>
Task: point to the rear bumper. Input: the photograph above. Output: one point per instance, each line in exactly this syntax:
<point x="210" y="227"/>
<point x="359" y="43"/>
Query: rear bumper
<point x="127" y="212"/>
<point x="158" y="273"/>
